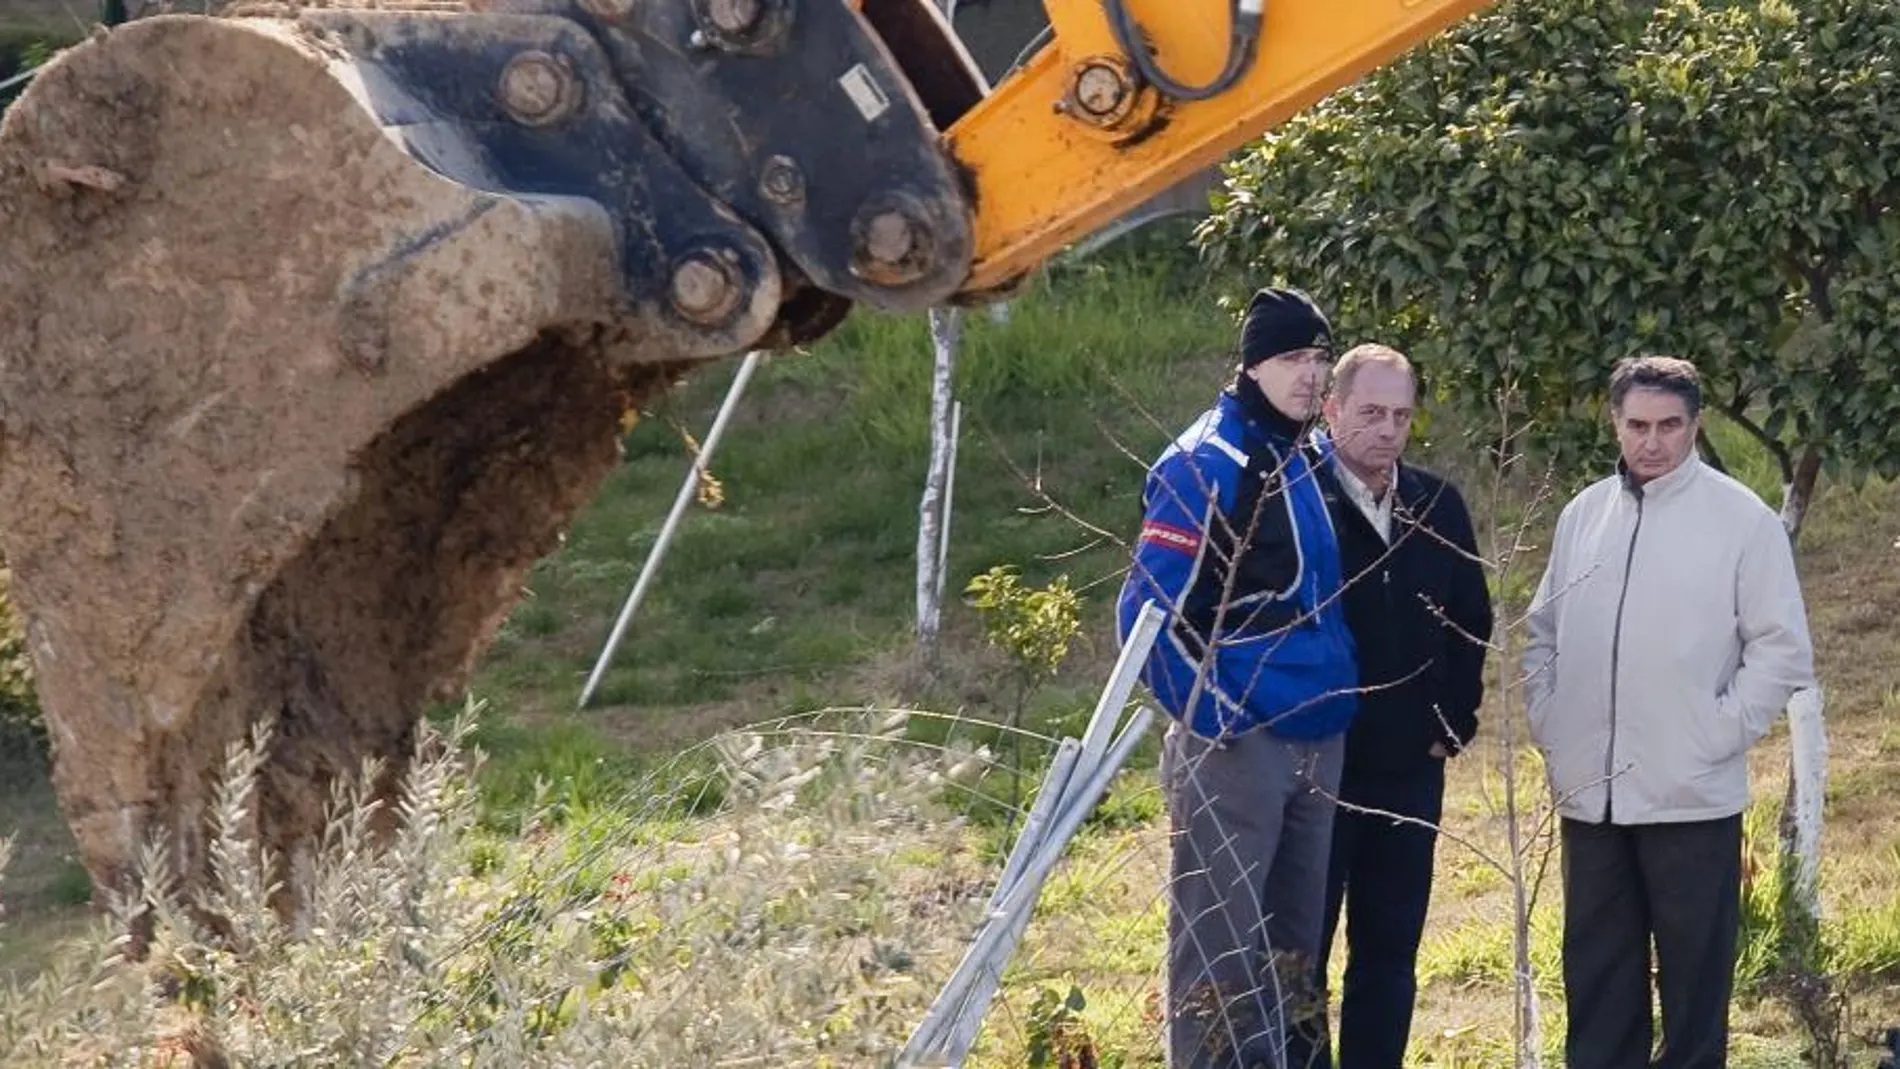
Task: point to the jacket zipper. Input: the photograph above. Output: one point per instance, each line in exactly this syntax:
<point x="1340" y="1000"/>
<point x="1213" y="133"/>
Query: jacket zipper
<point x="1616" y="651"/>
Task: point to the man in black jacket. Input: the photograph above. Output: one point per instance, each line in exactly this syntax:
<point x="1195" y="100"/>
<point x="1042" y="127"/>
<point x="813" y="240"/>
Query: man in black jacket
<point x="1420" y="615"/>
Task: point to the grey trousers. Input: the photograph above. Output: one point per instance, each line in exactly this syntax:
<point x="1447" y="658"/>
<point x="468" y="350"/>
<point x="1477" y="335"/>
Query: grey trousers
<point x="1252" y="828"/>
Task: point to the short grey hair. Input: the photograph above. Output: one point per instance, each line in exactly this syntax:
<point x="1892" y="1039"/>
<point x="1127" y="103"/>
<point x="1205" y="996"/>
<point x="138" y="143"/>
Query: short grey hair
<point x="1668" y="374"/>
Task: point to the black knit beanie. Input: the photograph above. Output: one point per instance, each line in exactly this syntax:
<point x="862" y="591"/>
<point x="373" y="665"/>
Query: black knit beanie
<point x="1280" y="321"/>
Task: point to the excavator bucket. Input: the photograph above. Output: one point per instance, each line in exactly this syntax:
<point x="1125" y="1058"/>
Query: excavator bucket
<point x="315" y="331"/>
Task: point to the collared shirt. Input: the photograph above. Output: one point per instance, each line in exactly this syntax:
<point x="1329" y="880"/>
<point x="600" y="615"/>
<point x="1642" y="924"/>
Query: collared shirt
<point x="1378" y="511"/>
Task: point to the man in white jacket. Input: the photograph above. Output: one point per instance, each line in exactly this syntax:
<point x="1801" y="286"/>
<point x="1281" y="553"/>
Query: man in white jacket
<point x="1667" y="635"/>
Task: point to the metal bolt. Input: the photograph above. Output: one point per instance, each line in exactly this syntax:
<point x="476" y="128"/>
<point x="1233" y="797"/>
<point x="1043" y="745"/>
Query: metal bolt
<point x="889" y="237"/>
<point x="1100" y="89"/>
<point x="611" y="10"/>
<point x="781" y="181"/>
<point x="538" y="89"/>
<point x="890" y="247"/>
<point x="698" y="41"/>
<point x="705" y="287"/>
<point x="734" y="17"/>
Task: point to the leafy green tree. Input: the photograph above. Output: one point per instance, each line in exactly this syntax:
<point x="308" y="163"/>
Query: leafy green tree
<point x="1560" y="183"/>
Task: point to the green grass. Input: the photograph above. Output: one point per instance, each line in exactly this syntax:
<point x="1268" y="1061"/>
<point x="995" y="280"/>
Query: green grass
<point x="804" y="573"/>
<point x="796" y="593"/>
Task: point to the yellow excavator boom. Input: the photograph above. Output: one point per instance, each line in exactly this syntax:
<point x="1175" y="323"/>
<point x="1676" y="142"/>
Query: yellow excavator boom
<point x="1078" y="135"/>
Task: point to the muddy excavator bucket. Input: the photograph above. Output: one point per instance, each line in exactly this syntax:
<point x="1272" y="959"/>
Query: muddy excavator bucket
<point x="315" y="331"/>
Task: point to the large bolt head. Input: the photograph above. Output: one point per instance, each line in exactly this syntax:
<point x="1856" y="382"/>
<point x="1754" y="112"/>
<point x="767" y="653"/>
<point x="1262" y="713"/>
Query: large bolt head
<point x="538" y="89"/>
<point x="1100" y="89"/>
<point x="890" y="246"/>
<point x="705" y="287"/>
<point x="889" y="237"/>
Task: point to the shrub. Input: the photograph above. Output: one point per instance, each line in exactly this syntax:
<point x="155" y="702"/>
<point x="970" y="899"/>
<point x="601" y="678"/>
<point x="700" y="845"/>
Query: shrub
<point x="810" y="919"/>
<point x="21" y="731"/>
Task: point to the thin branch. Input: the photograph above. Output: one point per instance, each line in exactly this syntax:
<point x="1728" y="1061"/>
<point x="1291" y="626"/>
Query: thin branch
<point x="1768" y="441"/>
<point x="1709" y="452"/>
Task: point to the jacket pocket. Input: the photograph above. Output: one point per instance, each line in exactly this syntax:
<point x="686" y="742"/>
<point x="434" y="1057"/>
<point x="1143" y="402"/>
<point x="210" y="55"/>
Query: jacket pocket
<point x="1290" y="678"/>
<point x="1537" y="713"/>
<point x="1716" y="733"/>
<point x="1574" y="766"/>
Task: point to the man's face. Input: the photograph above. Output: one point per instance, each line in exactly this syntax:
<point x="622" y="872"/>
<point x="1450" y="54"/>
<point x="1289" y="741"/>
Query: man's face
<point x="1294" y="382"/>
<point x="1655" y="431"/>
<point x="1370" y="424"/>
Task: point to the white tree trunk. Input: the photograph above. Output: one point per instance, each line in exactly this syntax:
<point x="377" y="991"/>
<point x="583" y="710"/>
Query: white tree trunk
<point x="1807" y="735"/>
<point x="1793" y="510"/>
<point x="1807" y="729"/>
<point x="946" y="329"/>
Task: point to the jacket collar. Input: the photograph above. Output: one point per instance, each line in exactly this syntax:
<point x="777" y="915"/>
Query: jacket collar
<point x="1405" y="482"/>
<point x="1411" y="498"/>
<point x="1260" y="414"/>
<point x="1662" y="487"/>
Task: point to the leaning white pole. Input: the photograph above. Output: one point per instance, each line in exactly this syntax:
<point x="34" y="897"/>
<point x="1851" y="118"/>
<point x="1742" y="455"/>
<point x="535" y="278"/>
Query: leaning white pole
<point x="1121" y="682"/>
<point x="1056" y="787"/>
<point x="983" y="955"/>
<point x="1076" y="779"/>
<point x="1087" y="758"/>
<point x="967" y="1008"/>
<point x="685" y="498"/>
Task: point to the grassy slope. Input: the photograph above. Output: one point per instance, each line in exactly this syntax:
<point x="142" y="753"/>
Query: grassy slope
<point x="798" y="589"/>
<point x="796" y="592"/>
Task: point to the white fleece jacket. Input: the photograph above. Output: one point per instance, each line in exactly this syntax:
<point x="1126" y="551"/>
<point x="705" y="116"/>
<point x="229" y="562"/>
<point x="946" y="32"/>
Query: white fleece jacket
<point x="1667" y="635"/>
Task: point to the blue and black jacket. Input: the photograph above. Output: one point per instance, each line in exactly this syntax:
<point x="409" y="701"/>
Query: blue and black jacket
<point x="1237" y="546"/>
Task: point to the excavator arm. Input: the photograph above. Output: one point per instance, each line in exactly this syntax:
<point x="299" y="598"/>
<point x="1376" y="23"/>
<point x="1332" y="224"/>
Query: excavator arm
<point x="854" y="140"/>
<point x="317" y="327"/>
<point x="1095" y="123"/>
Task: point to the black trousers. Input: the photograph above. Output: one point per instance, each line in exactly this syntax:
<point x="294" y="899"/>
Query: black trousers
<point x="1679" y="885"/>
<point x="1381" y="878"/>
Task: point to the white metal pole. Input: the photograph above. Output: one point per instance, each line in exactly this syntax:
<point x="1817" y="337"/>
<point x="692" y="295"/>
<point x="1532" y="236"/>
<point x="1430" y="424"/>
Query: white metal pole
<point x="964" y="1001"/>
<point x="1056" y="784"/>
<point x="1121" y="682"/>
<point x="685" y="498"/>
<point x="960" y="1014"/>
<point x="992" y="946"/>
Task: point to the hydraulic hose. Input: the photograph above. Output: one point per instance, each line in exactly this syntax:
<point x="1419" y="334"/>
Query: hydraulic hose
<point x="1242" y="47"/>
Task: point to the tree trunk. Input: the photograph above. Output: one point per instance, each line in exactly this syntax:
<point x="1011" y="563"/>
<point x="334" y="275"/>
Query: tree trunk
<point x="1798" y="492"/>
<point x="1801" y="809"/>
<point x="946" y="330"/>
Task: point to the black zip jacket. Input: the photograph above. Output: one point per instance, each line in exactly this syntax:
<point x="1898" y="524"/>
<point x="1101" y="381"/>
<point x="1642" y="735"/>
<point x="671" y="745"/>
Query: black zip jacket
<point x="1420" y="613"/>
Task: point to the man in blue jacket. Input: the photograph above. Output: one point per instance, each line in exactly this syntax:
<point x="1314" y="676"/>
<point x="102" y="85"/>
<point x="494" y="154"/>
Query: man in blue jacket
<point x="1256" y="667"/>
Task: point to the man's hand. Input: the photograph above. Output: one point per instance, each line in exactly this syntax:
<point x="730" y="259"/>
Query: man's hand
<point x="1439" y="751"/>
